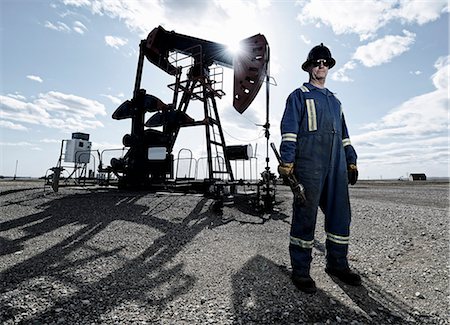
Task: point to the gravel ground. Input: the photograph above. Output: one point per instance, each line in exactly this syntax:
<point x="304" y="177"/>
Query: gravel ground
<point x="102" y="256"/>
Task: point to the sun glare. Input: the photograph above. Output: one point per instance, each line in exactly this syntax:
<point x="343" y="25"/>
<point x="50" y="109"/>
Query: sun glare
<point x="234" y="47"/>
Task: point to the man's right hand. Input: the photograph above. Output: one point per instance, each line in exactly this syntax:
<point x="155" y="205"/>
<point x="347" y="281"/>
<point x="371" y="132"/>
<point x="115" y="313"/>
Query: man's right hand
<point x="286" y="169"/>
<point x="352" y="171"/>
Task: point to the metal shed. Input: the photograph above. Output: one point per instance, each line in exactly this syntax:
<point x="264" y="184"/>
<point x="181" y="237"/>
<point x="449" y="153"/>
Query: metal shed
<point x="417" y="177"/>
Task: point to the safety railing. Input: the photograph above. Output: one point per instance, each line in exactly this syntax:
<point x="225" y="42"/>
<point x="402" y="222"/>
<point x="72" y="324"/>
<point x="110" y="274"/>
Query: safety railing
<point x="180" y="159"/>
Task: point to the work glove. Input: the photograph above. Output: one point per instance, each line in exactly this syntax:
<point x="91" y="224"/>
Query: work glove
<point x="286" y="169"/>
<point x="352" y="172"/>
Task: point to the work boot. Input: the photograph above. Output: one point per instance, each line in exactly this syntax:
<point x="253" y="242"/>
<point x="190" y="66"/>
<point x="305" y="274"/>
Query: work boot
<point x="345" y="275"/>
<point x="305" y="284"/>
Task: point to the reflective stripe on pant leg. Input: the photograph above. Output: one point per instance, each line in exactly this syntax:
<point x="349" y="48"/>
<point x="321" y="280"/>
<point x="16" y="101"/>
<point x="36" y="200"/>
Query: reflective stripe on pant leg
<point x="303" y="226"/>
<point x="344" y="240"/>
<point x="302" y="243"/>
<point x="301" y="255"/>
<point x="337" y="215"/>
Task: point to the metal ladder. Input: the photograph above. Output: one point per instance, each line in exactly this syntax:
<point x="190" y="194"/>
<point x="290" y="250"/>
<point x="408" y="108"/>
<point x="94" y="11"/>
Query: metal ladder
<point x="215" y="137"/>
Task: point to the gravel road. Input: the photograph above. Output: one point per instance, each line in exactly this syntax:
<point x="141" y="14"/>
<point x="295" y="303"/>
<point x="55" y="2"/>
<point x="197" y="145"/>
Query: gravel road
<point x="103" y="256"/>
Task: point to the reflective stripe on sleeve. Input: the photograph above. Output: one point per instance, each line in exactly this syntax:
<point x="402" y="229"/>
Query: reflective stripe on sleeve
<point x="312" y="117"/>
<point x="304" y="89"/>
<point x="289" y="137"/>
<point x="346" y="142"/>
<point x="338" y="239"/>
<point x="302" y="243"/>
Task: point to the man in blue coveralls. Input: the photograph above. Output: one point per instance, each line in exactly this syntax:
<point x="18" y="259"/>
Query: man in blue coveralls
<point x="316" y="147"/>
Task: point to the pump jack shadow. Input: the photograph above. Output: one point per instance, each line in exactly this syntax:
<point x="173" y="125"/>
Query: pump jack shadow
<point x="137" y="279"/>
<point x="264" y="294"/>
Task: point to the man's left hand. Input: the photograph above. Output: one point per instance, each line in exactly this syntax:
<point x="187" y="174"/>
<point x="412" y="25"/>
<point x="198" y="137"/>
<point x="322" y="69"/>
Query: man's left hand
<point x="352" y="172"/>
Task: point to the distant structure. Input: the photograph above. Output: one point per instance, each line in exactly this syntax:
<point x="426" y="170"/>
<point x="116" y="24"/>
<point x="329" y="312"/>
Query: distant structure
<point x="417" y="177"/>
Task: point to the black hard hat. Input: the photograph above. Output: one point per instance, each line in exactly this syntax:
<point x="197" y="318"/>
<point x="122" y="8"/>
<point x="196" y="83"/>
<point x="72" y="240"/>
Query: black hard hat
<point x="316" y="53"/>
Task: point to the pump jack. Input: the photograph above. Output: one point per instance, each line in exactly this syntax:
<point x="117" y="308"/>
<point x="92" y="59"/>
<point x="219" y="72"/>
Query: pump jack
<point x="137" y="169"/>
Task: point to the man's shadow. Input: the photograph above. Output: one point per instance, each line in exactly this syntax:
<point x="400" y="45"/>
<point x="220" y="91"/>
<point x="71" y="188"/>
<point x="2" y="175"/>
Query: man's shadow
<point x="380" y="305"/>
<point x="264" y="294"/>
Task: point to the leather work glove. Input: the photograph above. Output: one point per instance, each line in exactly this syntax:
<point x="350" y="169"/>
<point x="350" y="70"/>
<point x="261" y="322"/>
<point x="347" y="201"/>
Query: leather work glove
<point x="286" y="169"/>
<point x="352" y="172"/>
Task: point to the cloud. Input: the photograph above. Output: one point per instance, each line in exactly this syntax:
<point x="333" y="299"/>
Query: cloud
<point x="17" y="95"/>
<point x="109" y="145"/>
<point x="115" y="41"/>
<point x="415" y="131"/>
<point x="12" y="126"/>
<point x="76" y="3"/>
<point x="35" y="78"/>
<point x="384" y="50"/>
<point x="60" y="26"/>
<point x="305" y="40"/>
<point x="344" y="17"/>
<point x="364" y="18"/>
<point x="375" y="53"/>
<point x="79" y="27"/>
<point x="239" y="18"/>
<point x="13" y="144"/>
<point x="50" y="141"/>
<point x="341" y="73"/>
<point x="54" y="110"/>
<point x="419" y="11"/>
<point x="440" y="78"/>
<point x="113" y="99"/>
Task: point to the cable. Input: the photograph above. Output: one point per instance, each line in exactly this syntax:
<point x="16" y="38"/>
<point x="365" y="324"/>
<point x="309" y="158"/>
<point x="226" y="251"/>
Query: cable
<point x="256" y="124"/>
<point x="245" y="141"/>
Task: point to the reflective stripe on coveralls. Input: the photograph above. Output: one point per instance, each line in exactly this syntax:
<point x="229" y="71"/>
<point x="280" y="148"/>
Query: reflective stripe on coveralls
<point x="312" y="115"/>
<point x="304" y="89"/>
<point x="289" y="137"/>
<point x="346" y="142"/>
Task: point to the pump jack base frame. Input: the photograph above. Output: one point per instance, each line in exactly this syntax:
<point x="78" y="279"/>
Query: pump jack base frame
<point x="260" y="192"/>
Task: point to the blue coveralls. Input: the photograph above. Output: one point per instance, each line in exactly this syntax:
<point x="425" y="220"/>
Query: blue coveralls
<point x="315" y="138"/>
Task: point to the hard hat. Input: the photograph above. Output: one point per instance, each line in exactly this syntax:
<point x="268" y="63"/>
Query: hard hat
<point x="316" y="53"/>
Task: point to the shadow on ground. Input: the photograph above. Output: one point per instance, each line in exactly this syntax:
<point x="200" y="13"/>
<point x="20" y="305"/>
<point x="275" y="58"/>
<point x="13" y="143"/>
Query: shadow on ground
<point x="252" y="210"/>
<point x="146" y="283"/>
<point x="147" y="279"/>
<point x="264" y="294"/>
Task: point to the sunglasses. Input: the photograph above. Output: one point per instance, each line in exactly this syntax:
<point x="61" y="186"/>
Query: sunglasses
<point x="321" y="61"/>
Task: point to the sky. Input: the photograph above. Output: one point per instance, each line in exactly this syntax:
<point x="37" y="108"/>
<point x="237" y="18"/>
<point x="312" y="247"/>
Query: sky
<point x="66" y="65"/>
